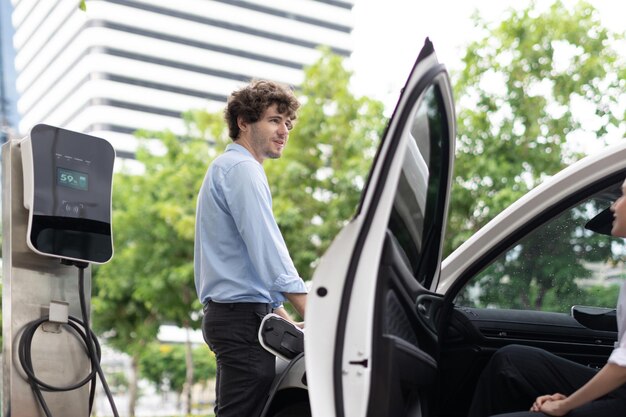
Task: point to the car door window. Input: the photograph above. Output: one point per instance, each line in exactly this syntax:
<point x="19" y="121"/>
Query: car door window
<point x="556" y="266"/>
<point x="416" y="200"/>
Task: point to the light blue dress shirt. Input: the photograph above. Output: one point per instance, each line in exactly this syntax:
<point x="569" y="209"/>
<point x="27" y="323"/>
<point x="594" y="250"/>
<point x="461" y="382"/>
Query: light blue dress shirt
<point x="240" y="254"/>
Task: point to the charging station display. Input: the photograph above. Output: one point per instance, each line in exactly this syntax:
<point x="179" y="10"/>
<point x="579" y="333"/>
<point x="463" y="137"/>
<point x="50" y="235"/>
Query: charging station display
<point x="67" y="190"/>
<point x="73" y="179"/>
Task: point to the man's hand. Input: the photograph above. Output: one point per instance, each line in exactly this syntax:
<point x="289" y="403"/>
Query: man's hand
<point x="284" y="314"/>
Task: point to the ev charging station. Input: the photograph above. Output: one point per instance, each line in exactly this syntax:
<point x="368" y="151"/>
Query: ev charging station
<point x="56" y="220"/>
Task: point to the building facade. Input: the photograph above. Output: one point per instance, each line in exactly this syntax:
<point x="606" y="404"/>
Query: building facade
<point x="124" y="65"/>
<point x="8" y="95"/>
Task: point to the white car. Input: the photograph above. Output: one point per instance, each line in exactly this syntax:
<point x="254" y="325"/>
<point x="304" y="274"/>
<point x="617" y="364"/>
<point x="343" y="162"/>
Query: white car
<point x="392" y="330"/>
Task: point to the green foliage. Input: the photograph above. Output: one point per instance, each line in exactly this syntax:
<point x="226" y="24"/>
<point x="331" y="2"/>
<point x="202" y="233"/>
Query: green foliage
<point x="515" y="101"/>
<point x="316" y="187"/>
<point x="150" y="278"/>
<point x="118" y="382"/>
<point x="164" y="365"/>
<point x="317" y="183"/>
<point x="550" y="269"/>
<point x="600" y="296"/>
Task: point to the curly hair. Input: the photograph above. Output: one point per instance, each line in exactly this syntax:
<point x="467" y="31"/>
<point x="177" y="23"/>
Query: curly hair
<point x="251" y="101"/>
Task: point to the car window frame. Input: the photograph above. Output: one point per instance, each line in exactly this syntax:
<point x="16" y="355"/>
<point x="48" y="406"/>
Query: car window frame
<point x="512" y="239"/>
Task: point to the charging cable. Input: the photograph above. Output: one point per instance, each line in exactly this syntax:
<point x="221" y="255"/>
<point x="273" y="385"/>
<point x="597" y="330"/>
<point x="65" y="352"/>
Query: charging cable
<point x="80" y="328"/>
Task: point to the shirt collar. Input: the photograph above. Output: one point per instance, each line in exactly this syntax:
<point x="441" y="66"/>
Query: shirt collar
<point x="238" y="148"/>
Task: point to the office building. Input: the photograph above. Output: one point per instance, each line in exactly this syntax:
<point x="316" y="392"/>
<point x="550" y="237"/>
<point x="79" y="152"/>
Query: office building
<point x="124" y="65"/>
<point x="8" y="95"/>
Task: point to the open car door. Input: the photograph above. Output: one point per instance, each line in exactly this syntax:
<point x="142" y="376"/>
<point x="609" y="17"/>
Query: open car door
<point x="370" y="337"/>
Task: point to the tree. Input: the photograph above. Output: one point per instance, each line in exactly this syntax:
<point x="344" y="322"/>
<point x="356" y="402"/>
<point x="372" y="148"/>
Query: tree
<point x="164" y="365"/>
<point x="517" y="94"/>
<point x="152" y="270"/>
<point x="550" y="269"/>
<point x="317" y="183"/>
<point x="316" y="188"/>
<point x="120" y="315"/>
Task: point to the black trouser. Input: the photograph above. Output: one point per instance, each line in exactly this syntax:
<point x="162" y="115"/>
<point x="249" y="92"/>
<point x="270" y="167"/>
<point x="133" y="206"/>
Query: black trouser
<point x="516" y="375"/>
<point x="245" y="370"/>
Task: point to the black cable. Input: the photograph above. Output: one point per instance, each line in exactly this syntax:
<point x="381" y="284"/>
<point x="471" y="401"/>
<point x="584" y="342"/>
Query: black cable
<point x="80" y="328"/>
<point x="92" y="340"/>
<point x="24" y="351"/>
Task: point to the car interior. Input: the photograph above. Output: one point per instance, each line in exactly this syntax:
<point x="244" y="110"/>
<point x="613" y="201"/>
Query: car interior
<point x="430" y="349"/>
<point x="576" y="319"/>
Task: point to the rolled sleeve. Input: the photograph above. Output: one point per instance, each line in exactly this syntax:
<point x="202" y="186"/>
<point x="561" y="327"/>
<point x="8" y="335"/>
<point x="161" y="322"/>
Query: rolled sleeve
<point x="618" y="356"/>
<point x="289" y="284"/>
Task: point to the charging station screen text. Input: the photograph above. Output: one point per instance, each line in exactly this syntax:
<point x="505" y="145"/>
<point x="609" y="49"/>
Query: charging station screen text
<point x="72" y="179"/>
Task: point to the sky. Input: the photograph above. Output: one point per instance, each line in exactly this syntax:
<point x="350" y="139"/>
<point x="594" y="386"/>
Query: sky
<point x="388" y="36"/>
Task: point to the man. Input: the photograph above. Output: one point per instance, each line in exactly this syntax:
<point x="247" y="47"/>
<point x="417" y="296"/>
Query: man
<point x="242" y="267"/>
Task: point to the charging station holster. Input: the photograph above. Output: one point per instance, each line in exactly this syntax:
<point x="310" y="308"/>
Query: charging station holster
<point x="281" y="337"/>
